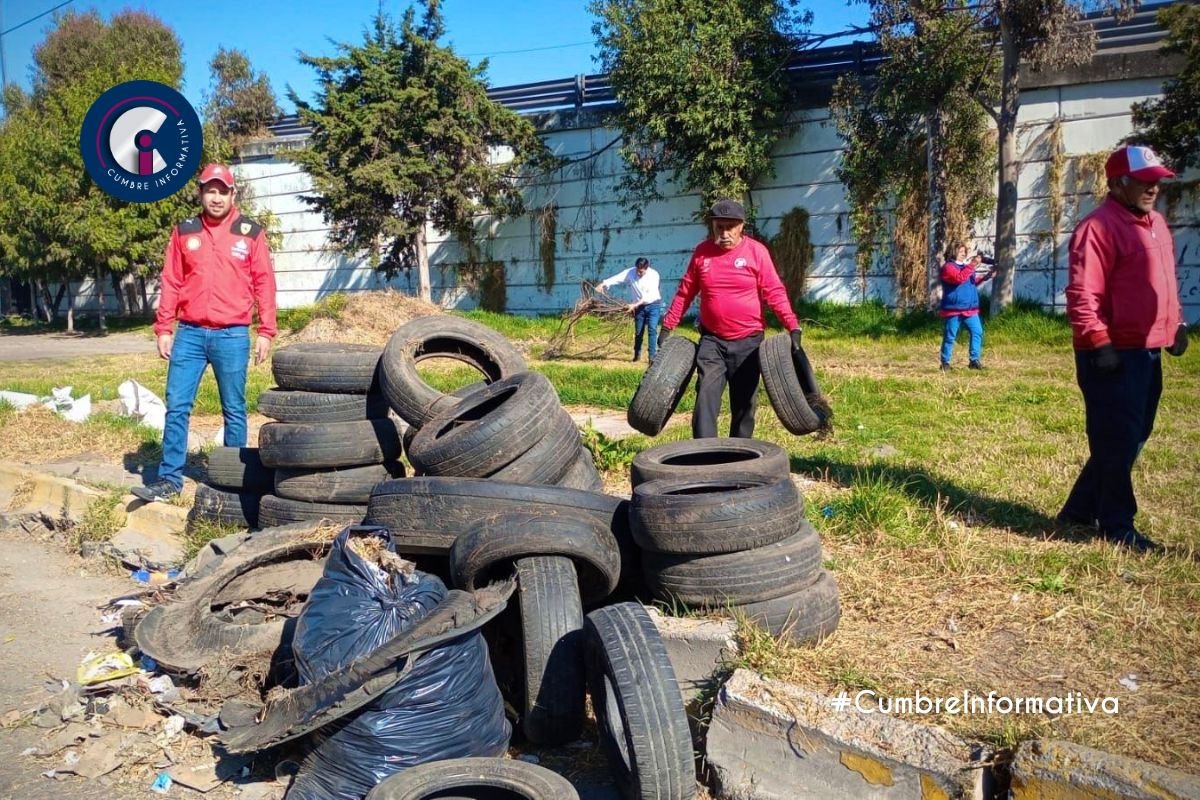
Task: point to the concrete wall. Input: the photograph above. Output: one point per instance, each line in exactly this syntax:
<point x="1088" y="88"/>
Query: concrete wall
<point x="596" y="236"/>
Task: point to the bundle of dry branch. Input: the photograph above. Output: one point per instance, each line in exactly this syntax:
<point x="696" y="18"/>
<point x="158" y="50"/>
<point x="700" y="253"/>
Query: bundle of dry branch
<point x="592" y="302"/>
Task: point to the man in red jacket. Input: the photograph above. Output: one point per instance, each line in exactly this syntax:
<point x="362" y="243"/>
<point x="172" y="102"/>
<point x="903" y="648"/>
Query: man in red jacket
<point x="1123" y="303"/>
<point x="734" y="276"/>
<point x="217" y="268"/>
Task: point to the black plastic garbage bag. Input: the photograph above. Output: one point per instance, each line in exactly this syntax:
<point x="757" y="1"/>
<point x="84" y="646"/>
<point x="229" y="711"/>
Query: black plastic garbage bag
<point x="448" y="704"/>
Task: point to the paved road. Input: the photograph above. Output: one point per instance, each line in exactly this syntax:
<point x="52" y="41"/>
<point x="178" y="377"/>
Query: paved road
<point x="63" y="346"/>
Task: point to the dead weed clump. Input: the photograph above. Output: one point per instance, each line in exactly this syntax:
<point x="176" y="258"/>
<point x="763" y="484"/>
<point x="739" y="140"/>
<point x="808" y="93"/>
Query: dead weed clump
<point x="38" y="435"/>
<point x="365" y="318"/>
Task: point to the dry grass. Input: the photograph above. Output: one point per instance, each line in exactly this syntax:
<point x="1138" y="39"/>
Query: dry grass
<point x="363" y="318"/>
<point x="38" y="435"/>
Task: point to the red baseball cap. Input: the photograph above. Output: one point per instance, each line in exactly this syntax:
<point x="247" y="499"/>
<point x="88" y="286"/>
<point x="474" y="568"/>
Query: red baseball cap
<point x="1137" y="161"/>
<point x="217" y="172"/>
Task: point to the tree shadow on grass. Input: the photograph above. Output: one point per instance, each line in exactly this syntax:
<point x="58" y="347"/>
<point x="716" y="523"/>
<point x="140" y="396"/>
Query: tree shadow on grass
<point x="932" y="491"/>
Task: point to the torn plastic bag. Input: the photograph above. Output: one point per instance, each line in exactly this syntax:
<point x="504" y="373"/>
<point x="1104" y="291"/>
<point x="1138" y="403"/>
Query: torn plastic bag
<point x="250" y="727"/>
<point x="446" y="705"/>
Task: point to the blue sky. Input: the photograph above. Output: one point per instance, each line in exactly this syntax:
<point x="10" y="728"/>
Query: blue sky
<point x="555" y="38"/>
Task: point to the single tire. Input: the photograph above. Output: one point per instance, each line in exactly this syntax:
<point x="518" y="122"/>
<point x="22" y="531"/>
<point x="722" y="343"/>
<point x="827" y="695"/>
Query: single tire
<point x="468" y="778"/>
<point x="326" y="367"/>
<point x="782" y="383"/>
<point x="487" y="550"/>
<point x="410" y="430"/>
<point x="705" y="458"/>
<point x="274" y="511"/>
<point x="639" y="710"/>
<point x="552" y="639"/>
<point x="203" y="620"/>
<point x="345" y="485"/>
<point x="663" y="385"/>
<point x="549" y="458"/>
<point x="582" y="474"/>
<point x="749" y="576"/>
<point x="239" y="468"/>
<point x="282" y="405"/>
<point x="426" y="514"/>
<point x="720" y="515"/>
<point x="809" y="614"/>
<point x="486" y="430"/>
<point x="440" y="336"/>
<point x="286" y="445"/>
<point x="231" y="509"/>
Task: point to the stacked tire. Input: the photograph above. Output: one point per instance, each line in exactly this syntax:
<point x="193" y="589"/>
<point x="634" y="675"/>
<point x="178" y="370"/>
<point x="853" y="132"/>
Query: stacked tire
<point x="721" y="526"/>
<point x="511" y="428"/>
<point x="332" y="440"/>
<point x="232" y="492"/>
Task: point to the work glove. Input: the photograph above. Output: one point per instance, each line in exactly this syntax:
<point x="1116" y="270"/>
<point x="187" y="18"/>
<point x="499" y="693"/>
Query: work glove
<point x="796" y="340"/>
<point x="663" y="333"/>
<point x="1105" y="360"/>
<point x="1181" y="342"/>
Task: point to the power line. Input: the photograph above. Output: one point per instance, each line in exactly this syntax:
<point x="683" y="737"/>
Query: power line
<point x="36" y="18"/>
<point x="526" y="50"/>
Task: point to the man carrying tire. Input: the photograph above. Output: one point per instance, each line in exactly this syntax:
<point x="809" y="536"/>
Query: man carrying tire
<point x="217" y="268"/>
<point x="734" y="276"/>
<point x="1123" y="303"/>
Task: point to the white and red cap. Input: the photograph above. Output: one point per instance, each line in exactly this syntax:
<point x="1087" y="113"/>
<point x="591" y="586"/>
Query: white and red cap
<point x="1137" y="161"/>
<point x="217" y="172"/>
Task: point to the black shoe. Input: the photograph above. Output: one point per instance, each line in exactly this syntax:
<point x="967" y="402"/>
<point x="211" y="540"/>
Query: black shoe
<point x="159" y="491"/>
<point x="946" y="366"/>
<point x="1132" y="539"/>
<point x="975" y="365"/>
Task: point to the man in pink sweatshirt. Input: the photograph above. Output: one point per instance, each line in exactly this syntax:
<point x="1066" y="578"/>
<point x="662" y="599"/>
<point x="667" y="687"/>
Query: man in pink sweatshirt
<point x="734" y="276"/>
<point x="1123" y="303"/>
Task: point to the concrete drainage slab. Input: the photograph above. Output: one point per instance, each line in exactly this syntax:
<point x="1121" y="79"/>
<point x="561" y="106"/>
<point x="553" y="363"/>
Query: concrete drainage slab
<point x="771" y="740"/>
<point x="1054" y="769"/>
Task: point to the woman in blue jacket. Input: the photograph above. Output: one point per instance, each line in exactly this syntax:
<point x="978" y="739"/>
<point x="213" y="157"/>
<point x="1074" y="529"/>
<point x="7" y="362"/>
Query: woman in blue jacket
<point x="960" y="302"/>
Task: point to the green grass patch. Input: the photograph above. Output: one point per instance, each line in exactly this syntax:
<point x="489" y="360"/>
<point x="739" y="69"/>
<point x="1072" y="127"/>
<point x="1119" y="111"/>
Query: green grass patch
<point x="100" y="521"/>
<point x="609" y="455"/>
<point x="329" y="307"/>
<point x="202" y="531"/>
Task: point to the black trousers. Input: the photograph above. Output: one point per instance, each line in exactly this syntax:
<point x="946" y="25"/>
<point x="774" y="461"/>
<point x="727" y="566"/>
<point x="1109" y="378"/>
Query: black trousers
<point x="1120" y="411"/>
<point x="720" y="361"/>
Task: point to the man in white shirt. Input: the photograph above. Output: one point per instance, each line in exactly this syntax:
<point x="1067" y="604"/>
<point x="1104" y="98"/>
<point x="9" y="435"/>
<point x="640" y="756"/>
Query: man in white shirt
<point x="646" y="307"/>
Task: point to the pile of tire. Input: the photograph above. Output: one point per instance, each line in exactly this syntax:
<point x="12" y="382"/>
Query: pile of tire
<point x="232" y="492"/>
<point x="722" y="527"/>
<point x="503" y="488"/>
<point x="332" y="439"/>
<point x="788" y="378"/>
<point x="511" y="428"/>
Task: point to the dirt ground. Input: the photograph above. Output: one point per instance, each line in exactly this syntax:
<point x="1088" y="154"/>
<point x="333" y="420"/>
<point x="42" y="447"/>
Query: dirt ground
<point x="48" y="622"/>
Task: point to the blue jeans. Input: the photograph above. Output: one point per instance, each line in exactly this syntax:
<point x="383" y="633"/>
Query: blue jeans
<point x="1120" y="409"/>
<point x="647" y="317"/>
<point x="228" y="350"/>
<point x="950" y="334"/>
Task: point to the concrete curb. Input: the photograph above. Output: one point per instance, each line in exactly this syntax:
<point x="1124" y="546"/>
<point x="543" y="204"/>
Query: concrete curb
<point x="25" y="491"/>
<point x="698" y="649"/>
<point x="1069" y="771"/>
<point x="151" y="536"/>
<point x="771" y="740"/>
<point x="151" y="532"/>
